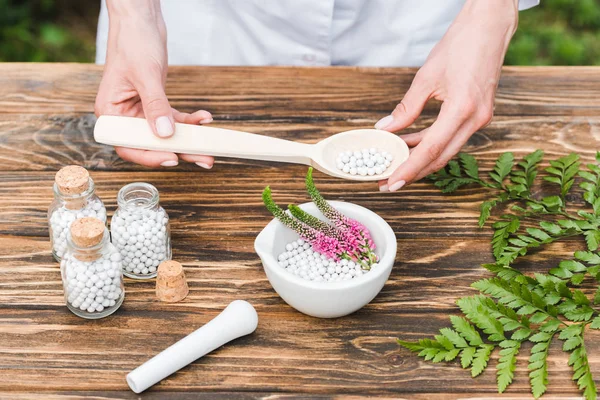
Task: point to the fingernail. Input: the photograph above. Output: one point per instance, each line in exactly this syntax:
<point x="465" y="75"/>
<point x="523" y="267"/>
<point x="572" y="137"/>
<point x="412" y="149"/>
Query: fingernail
<point x="384" y="188"/>
<point x="384" y="122"/>
<point x="396" y="186"/>
<point x="206" y="121"/>
<point x="203" y="165"/>
<point x="164" y="128"/>
<point x="169" y="163"/>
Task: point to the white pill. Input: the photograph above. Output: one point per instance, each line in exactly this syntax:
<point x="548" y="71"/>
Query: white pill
<point x="371" y="171"/>
<point x="345" y="158"/>
<point x="370" y="164"/>
<point x="372" y="150"/>
<point x="389" y="157"/>
<point x="359" y="163"/>
<point x="362" y="171"/>
<point x="357" y="154"/>
<point x="378" y="170"/>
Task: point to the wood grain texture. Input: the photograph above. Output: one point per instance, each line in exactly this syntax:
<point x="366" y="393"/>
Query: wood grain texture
<point x="46" y="121"/>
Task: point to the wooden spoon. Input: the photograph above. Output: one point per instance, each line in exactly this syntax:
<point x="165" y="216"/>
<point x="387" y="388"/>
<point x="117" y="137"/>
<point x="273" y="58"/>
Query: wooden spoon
<point x="194" y="139"/>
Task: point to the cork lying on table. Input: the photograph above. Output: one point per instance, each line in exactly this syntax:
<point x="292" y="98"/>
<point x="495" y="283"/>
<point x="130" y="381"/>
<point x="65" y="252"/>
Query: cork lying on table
<point x="87" y="232"/>
<point x="171" y="285"/>
<point x="72" y="179"/>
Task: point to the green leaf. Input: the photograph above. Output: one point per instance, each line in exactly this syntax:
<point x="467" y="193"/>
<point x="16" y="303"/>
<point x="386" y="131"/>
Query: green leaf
<point x="454" y="337"/>
<point x="469" y="165"/>
<point x="506" y="367"/>
<point x="538" y="367"/>
<point x="583" y="313"/>
<point x="572" y="343"/>
<point x="486" y="208"/>
<point x="502" y="168"/>
<point x="521" y="334"/>
<point x="595" y="323"/>
<point x="466" y="356"/>
<point x="550" y="227"/>
<point x="454" y="168"/>
<point x="550" y="326"/>
<point x="588" y="257"/>
<point x="592" y="239"/>
<point x="466" y="330"/>
<point x="480" y="360"/>
<point x="540" y="337"/>
<point x="502" y="230"/>
<point x="552" y="203"/>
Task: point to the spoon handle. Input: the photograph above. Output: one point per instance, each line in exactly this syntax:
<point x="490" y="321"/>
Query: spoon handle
<point x="195" y="139"/>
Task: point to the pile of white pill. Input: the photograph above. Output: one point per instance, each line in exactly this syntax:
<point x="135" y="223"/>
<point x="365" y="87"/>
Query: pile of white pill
<point x="364" y="162"/>
<point x="299" y="259"/>
<point x="141" y="238"/>
<point x="61" y="219"/>
<point x="93" y="286"/>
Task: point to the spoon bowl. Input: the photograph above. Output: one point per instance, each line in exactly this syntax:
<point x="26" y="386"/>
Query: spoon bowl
<point x="327" y="151"/>
<point x="193" y="139"/>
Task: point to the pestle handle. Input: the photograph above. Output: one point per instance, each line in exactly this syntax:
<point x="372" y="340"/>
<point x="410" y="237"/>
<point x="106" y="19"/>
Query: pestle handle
<point x="239" y="318"/>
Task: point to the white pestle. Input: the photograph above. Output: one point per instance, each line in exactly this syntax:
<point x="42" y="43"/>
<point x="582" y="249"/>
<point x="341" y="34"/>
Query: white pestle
<point x="239" y="318"/>
<point x="194" y="139"/>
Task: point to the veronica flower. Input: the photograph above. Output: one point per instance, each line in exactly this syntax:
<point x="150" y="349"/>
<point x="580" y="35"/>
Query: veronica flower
<point x="356" y="232"/>
<point x="346" y="238"/>
<point x="322" y="243"/>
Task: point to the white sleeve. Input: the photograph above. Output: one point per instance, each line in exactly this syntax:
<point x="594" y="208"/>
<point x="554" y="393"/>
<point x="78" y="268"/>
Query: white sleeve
<point x="525" y="4"/>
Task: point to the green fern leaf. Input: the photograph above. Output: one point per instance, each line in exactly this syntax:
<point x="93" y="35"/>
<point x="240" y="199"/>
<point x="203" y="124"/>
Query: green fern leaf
<point x="466" y="356"/>
<point x="502" y="168"/>
<point x="469" y="165"/>
<point x="481" y="358"/>
<point x="538" y="366"/>
<point x="506" y="366"/>
<point x="466" y="330"/>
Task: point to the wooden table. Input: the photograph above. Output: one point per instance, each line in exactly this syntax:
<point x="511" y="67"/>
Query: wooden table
<point x="46" y="120"/>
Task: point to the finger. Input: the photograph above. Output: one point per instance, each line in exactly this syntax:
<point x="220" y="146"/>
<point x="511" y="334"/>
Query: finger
<point x="148" y="158"/>
<point x="383" y="186"/>
<point x="409" y="108"/>
<point x="413" y="139"/>
<point x="199" y="117"/>
<point x="156" y="106"/>
<point x="432" y="145"/>
<point x="206" y="162"/>
<point x="453" y="148"/>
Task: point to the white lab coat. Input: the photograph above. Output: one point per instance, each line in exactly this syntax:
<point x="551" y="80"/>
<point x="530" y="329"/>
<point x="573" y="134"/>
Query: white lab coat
<point x="301" y="32"/>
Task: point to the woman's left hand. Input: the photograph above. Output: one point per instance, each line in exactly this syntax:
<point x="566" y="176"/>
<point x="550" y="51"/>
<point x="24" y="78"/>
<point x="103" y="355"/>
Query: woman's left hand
<point x="462" y="71"/>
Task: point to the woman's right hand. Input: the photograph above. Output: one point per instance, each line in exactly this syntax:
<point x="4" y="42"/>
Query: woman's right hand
<point x="133" y="83"/>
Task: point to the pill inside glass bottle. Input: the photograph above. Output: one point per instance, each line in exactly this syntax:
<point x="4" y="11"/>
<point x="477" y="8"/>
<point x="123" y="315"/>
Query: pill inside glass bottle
<point x="91" y="270"/>
<point x="140" y="230"/>
<point x="74" y="197"/>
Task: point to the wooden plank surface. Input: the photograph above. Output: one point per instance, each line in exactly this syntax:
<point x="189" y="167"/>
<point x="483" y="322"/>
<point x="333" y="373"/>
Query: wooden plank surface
<point x="46" y="120"/>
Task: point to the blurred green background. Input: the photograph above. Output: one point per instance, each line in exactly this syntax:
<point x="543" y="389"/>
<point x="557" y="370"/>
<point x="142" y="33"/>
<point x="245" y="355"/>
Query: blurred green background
<point x="558" y="32"/>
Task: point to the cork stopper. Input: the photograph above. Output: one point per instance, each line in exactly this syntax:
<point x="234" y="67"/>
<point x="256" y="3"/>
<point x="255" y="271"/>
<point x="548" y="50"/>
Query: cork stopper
<point x="72" y="180"/>
<point x="87" y="232"/>
<point x="171" y="285"/>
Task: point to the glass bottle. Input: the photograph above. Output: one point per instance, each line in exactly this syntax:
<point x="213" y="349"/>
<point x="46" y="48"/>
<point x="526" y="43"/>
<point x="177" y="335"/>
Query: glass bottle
<point x="74" y="197"/>
<point x="140" y="230"/>
<point x="91" y="270"/>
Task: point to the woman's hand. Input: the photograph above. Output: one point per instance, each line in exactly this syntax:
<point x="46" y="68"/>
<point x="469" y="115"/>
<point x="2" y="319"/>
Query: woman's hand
<point x="133" y="83"/>
<point x="462" y="71"/>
